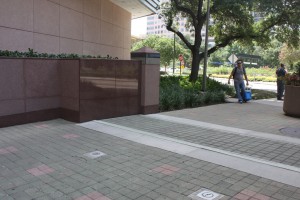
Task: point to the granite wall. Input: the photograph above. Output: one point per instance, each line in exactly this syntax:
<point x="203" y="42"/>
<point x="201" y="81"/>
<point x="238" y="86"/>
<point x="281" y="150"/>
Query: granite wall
<point x="77" y="90"/>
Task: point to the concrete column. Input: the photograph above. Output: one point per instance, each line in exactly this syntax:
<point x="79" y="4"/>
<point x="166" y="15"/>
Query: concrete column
<point x="149" y="78"/>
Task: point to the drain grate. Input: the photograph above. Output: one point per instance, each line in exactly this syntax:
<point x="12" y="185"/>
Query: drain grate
<point x="290" y="131"/>
<point x="95" y="154"/>
<point x="205" y="194"/>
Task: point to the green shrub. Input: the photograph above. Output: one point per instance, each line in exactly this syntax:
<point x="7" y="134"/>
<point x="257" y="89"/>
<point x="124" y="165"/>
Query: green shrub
<point x="32" y="54"/>
<point x="219" y="70"/>
<point x="171" y="98"/>
<point x="193" y="98"/>
<point x="176" y="92"/>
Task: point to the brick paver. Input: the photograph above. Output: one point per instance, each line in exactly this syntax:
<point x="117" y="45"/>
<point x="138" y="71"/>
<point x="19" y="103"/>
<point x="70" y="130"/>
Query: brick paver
<point x="251" y="116"/>
<point x="275" y="151"/>
<point x="128" y="170"/>
<point x="47" y="160"/>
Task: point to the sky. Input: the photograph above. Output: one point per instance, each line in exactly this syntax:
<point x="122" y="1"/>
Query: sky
<point x="139" y="26"/>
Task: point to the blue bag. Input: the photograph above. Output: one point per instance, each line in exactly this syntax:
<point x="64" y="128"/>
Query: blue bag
<point x="248" y="94"/>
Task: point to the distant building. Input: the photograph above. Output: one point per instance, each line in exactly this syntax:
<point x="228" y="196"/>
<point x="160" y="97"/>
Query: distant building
<point x="257" y="16"/>
<point x="156" y="26"/>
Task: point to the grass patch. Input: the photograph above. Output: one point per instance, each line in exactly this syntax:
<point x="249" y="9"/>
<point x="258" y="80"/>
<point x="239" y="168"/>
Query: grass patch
<point x="250" y="78"/>
<point x="254" y="74"/>
<point x="262" y="94"/>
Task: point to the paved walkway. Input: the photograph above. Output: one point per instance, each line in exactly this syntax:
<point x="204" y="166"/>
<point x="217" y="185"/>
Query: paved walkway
<point x="226" y="151"/>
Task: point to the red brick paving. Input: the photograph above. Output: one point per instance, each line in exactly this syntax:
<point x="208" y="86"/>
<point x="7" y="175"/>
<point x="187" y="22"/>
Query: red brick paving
<point x="40" y="170"/>
<point x="250" y="195"/>
<point x="166" y="169"/>
<point x="7" y="150"/>
<point x="93" y="196"/>
<point x="70" y="136"/>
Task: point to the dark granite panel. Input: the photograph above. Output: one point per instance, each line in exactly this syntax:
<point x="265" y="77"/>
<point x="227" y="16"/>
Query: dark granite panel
<point x="109" y="88"/>
<point x="97" y="88"/>
<point x="97" y="109"/>
<point x="23" y="118"/>
<point x="69" y="78"/>
<point x="42" y="77"/>
<point x="70" y="115"/>
<point x="69" y="82"/>
<point x="107" y="108"/>
<point x="127" y="78"/>
<point x="43" y="103"/>
<point x="11" y="79"/>
<point x="127" y="69"/>
<point x="97" y="79"/>
<point x="150" y="109"/>
<point x="69" y="103"/>
<point x="42" y="115"/>
<point x="76" y="90"/>
<point x="127" y="106"/>
<point x="97" y="68"/>
<point x="124" y="91"/>
<point x="134" y="106"/>
<point x="10" y="107"/>
<point x="12" y="120"/>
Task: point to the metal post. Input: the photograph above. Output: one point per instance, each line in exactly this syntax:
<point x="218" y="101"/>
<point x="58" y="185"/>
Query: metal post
<point x="206" y="47"/>
<point x="180" y="68"/>
<point x="232" y="61"/>
<point x="174" y="55"/>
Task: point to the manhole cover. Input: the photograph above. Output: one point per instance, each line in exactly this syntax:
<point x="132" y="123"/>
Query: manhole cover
<point x="95" y="154"/>
<point x="290" y="131"/>
<point x="205" y="194"/>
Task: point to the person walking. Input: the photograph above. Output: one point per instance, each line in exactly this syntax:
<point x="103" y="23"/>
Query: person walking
<point x="237" y="73"/>
<point x="280" y="73"/>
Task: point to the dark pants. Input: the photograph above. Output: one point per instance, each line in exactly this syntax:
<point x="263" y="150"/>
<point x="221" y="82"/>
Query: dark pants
<point x="280" y="88"/>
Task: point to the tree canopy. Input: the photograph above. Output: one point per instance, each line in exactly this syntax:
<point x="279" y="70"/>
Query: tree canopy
<point x="290" y="56"/>
<point x="269" y="55"/>
<point x="165" y="46"/>
<point x="234" y="20"/>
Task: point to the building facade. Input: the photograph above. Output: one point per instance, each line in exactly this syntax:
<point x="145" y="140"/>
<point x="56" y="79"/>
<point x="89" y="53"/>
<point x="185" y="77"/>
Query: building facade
<point x="156" y="26"/>
<point x="89" y="27"/>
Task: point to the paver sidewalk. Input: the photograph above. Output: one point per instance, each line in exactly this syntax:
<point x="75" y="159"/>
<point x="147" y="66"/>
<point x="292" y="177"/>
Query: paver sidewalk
<point x="63" y="161"/>
<point x="268" y="149"/>
<point x="261" y="115"/>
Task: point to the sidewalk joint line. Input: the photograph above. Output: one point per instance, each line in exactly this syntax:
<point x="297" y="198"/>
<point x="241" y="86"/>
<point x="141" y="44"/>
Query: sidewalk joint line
<point x="227" y="129"/>
<point x="257" y="160"/>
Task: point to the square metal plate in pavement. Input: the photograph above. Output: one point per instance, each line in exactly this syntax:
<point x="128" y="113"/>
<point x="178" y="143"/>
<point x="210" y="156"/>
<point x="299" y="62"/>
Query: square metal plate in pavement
<point x="205" y="194"/>
<point x="95" y="154"/>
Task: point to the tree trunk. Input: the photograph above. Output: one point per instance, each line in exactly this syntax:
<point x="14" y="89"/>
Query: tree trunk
<point x="195" y="66"/>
